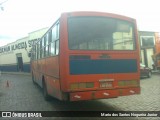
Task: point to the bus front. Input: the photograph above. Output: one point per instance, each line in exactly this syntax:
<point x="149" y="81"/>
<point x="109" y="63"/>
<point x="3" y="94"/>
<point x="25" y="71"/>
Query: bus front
<point x="101" y="56"/>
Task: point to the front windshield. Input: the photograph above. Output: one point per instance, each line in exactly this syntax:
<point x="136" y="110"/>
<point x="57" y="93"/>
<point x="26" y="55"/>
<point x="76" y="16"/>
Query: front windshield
<point x="100" y="33"/>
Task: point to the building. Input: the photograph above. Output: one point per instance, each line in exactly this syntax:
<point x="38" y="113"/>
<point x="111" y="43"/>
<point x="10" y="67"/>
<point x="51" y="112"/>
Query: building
<point x="156" y="56"/>
<point x="147" y="45"/>
<point x="14" y="56"/>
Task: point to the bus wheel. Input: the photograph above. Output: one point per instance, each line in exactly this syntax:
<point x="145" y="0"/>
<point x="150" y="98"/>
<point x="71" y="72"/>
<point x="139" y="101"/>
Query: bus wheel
<point x="45" y="93"/>
<point x="149" y="74"/>
<point x="33" y="78"/>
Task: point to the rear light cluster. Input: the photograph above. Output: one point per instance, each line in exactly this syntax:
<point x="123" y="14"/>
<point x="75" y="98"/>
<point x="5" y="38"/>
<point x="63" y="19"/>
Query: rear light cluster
<point x="82" y="85"/>
<point x="124" y="83"/>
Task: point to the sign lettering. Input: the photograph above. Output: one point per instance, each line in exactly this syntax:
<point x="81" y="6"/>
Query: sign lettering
<point x="17" y="46"/>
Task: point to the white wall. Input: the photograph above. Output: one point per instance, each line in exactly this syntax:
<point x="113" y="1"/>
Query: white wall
<point x="22" y="45"/>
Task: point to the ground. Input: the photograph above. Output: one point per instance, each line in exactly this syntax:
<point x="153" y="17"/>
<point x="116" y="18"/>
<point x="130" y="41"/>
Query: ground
<point x="17" y="93"/>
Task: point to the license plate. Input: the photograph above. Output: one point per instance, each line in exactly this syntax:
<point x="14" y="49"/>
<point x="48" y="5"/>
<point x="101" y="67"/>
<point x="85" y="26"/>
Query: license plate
<point x="105" y="84"/>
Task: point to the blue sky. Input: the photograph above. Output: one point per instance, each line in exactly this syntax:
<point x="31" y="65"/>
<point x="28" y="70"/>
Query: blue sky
<point x="20" y="17"/>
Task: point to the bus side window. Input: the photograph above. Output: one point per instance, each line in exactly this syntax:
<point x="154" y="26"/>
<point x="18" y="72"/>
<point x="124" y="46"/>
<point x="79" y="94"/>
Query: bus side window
<point x="55" y="40"/>
<point x="52" y="43"/>
<point x="57" y="47"/>
<point x="47" y="50"/>
<point x="57" y="35"/>
<point x="42" y="42"/>
<point x="49" y="41"/>
<point x="40" y="49"/>
<point x="34" y="53"/>
<point x="52" y="48"/>
<point x="44" y="49"/>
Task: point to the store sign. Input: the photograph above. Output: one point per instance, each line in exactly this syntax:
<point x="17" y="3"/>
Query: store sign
<point x="17" y="46"/>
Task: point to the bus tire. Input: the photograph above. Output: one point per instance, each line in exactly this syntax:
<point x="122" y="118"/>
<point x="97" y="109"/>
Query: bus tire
<point x="149" y="74"/>
<point x="45" y="93"/>
<point x="33" y="79"/>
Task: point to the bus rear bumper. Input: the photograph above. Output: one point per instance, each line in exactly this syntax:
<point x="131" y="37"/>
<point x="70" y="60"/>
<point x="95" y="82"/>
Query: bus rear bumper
<point x="103" y="94"/>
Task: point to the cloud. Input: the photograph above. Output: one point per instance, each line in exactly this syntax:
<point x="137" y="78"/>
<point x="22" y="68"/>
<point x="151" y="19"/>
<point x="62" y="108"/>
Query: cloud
<point x="23" y="16"/>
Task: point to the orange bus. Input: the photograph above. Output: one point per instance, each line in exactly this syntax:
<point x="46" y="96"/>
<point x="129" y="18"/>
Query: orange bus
<point x="86" y="56"/>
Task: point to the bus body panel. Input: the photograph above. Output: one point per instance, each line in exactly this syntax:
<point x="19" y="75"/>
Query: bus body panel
<point x="103" y="94"/>
<point x="63" y="51"/>
<point x="41" y="69"/>
<point x="95" y="55"/>
<point x="52" y="78"/>
<point x="52" y="66"/>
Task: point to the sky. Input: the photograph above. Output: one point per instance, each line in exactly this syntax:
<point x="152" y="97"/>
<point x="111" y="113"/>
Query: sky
<point x="20" y="17"/>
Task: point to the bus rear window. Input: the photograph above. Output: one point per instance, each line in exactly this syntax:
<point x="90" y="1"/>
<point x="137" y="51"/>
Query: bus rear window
<point x="100" y="33"/>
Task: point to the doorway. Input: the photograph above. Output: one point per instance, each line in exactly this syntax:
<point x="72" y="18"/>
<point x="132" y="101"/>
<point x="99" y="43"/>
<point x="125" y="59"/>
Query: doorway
<point x="150" y="52"/>
<point x="19" y="62"/>
<point x="142" y="57"/>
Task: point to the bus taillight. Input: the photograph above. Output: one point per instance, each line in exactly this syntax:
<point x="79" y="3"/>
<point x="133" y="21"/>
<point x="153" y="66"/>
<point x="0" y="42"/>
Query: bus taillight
<point x="81" y="85"/>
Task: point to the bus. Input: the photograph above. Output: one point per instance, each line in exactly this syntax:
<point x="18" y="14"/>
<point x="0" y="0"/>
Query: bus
<point x="86" y="56"/>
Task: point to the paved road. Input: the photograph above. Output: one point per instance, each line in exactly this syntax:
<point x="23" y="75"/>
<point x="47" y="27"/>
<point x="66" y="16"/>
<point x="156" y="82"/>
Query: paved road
<point x="17" y="93"/>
